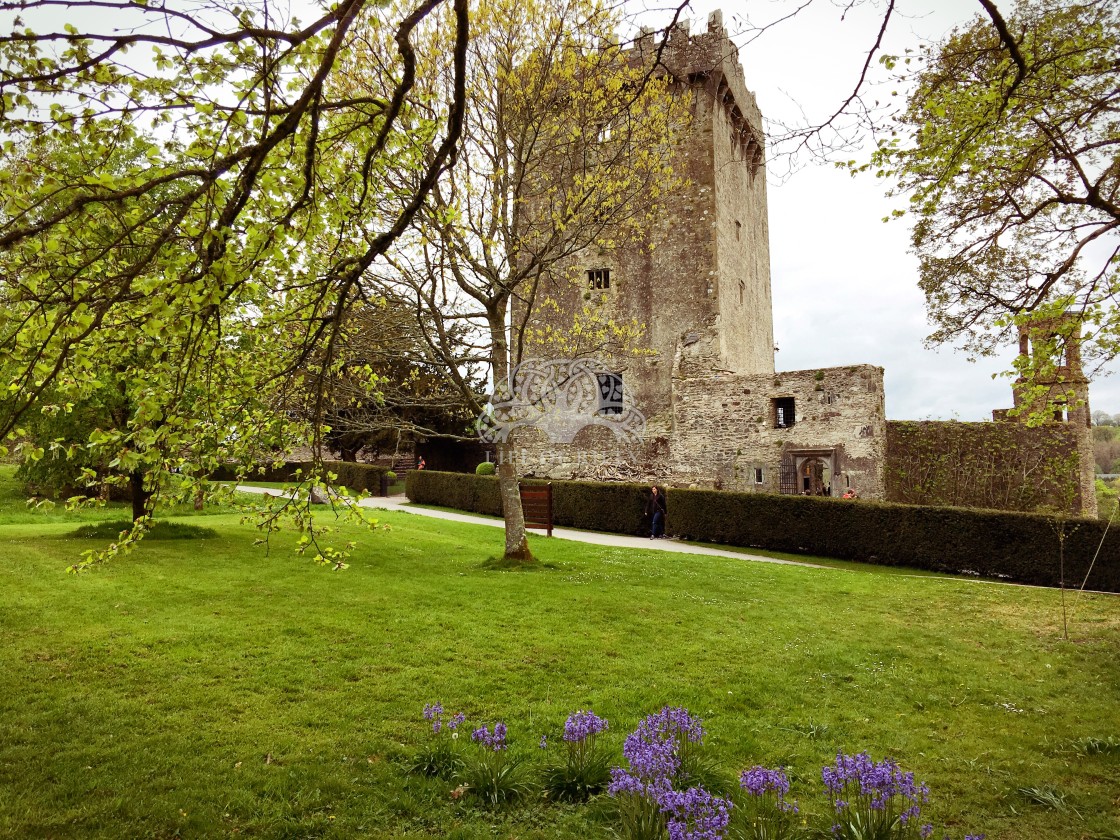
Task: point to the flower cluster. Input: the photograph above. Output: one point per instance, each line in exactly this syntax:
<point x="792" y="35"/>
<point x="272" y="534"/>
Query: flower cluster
<point x="672" y="724"/>
<point x="654" y="753"/>
<point x="495" y="741"/>
<point x="650" y="759"/>
<point x="878" y="792"/>
<point x="583" y="725"/>
<point x="659" y="793"/>
<point x="434" y="713"/>
<point x="695" y="814"/>
<point x="759" y="781"/>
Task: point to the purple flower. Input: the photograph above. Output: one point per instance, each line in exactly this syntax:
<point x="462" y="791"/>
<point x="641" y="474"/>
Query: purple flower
<point x="496" y="741"/>
<point x="650" y="759"/>
<point x="882" y="789"/>
<point x="582" y="725"/>
<point x="544" y="742"/>
<point x="623" y="783"/>
<point x="456" y="721"/>
<point x="695" y="814"/>
<point x="432" y="711"/>
<point x="758" y="781"/>
<point x="673" y="723"/>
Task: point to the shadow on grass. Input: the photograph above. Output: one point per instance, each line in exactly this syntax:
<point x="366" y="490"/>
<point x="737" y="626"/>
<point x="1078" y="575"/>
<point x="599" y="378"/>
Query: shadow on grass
<point x="501" y="564"/>
<point x="158" y="531"/>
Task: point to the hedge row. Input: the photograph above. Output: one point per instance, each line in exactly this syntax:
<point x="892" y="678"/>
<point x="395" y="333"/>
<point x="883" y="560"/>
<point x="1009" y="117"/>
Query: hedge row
<point x="357" y="477"/>
<point x="613" y="507"/>
<point x="1020" y="547"/>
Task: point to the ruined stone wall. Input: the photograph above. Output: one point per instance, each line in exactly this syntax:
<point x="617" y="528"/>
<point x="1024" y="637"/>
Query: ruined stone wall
<point x="726" y="429"/>
<point x="1001" y="465"/>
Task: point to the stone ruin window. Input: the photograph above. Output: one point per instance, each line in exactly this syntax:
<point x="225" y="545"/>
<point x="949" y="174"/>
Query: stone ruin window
<point x="598" y="278"/>
<point x="783" y="408"/>
<point x="758" y="475"/>
<point x="610" y="393"/>
<point x="742" y="291"/>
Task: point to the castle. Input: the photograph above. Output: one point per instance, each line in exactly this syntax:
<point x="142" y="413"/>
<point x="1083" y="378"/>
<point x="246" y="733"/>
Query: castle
<point x="716" y="411"/>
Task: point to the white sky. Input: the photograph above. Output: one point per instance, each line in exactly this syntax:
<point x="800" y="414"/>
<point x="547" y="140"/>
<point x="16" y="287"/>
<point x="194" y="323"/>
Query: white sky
<point x="844" y="285"/>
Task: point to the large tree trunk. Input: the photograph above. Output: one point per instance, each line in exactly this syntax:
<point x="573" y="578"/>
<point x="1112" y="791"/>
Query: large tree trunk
<point x="517" y="545"/>
<point x="140" y="496"/>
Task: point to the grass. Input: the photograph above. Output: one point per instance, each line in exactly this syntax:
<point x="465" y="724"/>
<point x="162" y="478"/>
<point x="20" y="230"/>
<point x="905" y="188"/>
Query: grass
<point x="203" y="687"/>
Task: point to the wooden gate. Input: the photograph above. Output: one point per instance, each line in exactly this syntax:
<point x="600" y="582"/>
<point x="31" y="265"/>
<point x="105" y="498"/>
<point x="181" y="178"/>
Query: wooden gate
<point x="536" y="503"/>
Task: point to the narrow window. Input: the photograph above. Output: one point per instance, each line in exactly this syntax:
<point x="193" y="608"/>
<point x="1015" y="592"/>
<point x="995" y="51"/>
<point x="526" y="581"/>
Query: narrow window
<point x="610" y="393"/>
<point x="742" y="291"/>
<point x="758" y="475"/>
<point x="738" y="230"/>
<point x="783" y="412"/>
<point x="599" y="278"/>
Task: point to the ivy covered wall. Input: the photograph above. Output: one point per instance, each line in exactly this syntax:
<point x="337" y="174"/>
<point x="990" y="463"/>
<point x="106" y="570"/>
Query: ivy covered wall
<point x="998" y="465"/>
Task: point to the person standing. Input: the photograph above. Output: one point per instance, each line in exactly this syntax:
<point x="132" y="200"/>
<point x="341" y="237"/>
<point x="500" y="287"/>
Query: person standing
<point x="655" y="510"/>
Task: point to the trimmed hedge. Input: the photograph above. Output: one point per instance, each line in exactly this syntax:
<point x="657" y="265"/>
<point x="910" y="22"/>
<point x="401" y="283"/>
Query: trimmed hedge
<point x="1020" y="547"/>
<point x="597" y="506"/>
<point x="357" y="477"/>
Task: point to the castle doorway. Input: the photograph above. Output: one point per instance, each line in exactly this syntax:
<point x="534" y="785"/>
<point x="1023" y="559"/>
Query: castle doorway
<point x="808" y="472"/>
<point x="812" y="477"/>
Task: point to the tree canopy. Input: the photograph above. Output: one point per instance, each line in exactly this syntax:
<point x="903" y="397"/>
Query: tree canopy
<point x="185" y="179"/>
<point x="1009" y="149"/>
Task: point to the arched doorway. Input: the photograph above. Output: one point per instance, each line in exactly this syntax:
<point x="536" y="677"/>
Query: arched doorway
<point x="813" y="477"/>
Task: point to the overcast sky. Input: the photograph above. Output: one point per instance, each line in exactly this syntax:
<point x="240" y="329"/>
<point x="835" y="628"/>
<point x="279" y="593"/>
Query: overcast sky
<point x="844" y="285"/>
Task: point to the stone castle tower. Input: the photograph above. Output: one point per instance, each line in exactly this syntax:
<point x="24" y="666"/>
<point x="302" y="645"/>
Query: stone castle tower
<point x="714" y="410"/>
<point x="703" y="274"/>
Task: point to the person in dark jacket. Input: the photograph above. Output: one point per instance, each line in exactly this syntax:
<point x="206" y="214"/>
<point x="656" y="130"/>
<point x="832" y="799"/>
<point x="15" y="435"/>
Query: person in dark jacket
<point x="655" y="510"/>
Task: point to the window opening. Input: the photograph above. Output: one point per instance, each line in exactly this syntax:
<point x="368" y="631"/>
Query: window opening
<point x="610" y="393"/>
<point x="599" y="278"/>
<point x="783" y="412"/>
<point x="758" y="475"/>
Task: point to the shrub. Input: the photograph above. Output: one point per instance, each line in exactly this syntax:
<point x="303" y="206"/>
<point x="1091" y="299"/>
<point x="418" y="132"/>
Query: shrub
<point x="485" y="468"/>
<point x="599" y="506"/>
<point x="1014" y="546"/>
<point x="360" y="478"/>
<point x="1022" y="547"/>
<point x="478" y="494"/>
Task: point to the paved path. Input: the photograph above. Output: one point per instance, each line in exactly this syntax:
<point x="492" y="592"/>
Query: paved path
<point x="401" y="503"/>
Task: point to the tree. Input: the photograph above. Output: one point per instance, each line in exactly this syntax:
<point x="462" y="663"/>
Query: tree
<point x="231" y="237"/>
<point x="386" y="389"/>
<point x="567" y="146"/>
<point x="1009" y="148"/>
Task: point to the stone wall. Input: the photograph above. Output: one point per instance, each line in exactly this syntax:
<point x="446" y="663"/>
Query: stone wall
<point x="727" y="432"/>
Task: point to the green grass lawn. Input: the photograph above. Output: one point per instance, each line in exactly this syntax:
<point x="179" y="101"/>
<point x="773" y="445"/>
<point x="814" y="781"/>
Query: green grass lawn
<point x="206" y="688"/>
